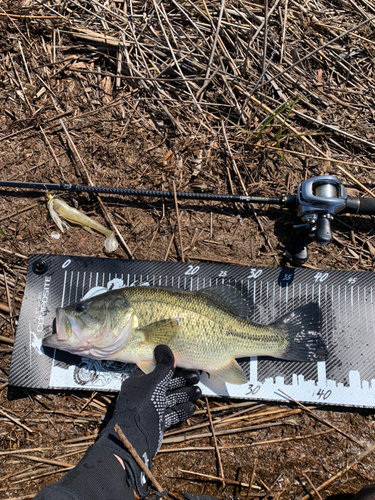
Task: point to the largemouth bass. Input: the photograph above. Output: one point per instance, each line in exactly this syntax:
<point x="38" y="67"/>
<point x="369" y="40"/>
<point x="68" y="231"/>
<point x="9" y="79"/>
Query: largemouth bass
<point x="206" y="330"/>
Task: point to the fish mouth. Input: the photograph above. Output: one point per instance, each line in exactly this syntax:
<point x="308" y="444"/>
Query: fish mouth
<point x="68" y="328"/>
<point x="67" y="325"/>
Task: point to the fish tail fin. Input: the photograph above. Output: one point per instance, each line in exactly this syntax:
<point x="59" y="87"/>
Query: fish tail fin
<point x="301" y="328"/>
<point x="111" y="242"/>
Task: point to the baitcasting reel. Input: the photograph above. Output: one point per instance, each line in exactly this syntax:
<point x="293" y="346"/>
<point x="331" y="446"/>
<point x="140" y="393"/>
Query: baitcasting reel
<point x="318" y="200"/>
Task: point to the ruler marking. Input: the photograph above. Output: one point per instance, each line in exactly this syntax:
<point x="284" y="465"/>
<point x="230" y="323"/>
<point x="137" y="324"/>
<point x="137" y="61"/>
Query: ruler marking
<point x="70" y="286"/>
<point x="365" y="303"/>
<point x="274" y="296"/>
<point x="83" y="284"/>
<point x="358" y="297"/>
<point x="77" y="285"/>
<point x="346" y="314"/>
<point x="64" y="288"/>
<point x="254" y="292"/>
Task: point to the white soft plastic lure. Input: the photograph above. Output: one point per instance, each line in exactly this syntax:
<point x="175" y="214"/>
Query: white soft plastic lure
<point x="60" y="210"/>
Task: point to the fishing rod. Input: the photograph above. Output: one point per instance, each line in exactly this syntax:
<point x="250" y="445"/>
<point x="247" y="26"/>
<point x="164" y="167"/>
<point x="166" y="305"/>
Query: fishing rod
<point x="286" y="201"/>
<point x="317" y="202"/>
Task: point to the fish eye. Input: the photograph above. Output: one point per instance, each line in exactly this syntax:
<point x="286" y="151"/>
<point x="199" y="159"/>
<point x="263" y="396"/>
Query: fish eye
<point x="79" y="308"/>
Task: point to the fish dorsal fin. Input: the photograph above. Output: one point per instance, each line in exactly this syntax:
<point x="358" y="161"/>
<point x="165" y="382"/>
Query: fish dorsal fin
<point x="146" y="366"/>
<point x="229" y="298"/>
<point x="231" y="372"/>
<point x="160" y="332"/>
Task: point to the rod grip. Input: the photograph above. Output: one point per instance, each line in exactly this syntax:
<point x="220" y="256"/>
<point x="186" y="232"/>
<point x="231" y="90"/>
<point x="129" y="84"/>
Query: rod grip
<point x="363" y="206"/>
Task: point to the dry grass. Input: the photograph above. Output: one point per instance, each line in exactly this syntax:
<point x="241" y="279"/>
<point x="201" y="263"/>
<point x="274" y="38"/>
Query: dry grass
<point x="230" y="97"/>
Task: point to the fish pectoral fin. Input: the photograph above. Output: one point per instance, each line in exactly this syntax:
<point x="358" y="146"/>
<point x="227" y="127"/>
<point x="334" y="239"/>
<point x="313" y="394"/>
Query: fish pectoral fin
<point x="146" y="366"/>
<point x="232" y="373"/>
<point x="87" y="228"/>
<point x="160" y="332"/>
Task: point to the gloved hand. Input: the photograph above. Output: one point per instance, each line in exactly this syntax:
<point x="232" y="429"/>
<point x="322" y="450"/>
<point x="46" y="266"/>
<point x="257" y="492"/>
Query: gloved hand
<point x="146" y="406"/>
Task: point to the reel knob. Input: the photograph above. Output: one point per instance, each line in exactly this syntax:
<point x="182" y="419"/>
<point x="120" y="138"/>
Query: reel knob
<point x="323" y="230"/>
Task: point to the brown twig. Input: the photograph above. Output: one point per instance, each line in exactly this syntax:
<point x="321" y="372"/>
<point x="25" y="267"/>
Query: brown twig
<point x="359" y="458"/>
<point x="315" y="415"/>
<point x="6" y="340"/>
<point x="252" y="477"/>
<point x="42" y="460"/>
<point x="138" y="459"/>
<point x="221" y="470"/>
<point x="312" y="486"/>
<point x="229" y="481"/>
<point x="250" y="445"/>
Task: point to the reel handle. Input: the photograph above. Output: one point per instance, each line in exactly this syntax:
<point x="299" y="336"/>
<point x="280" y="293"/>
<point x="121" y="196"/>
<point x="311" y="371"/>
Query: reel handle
<point x="324" y="231"/>
<point x="362" y="206"/>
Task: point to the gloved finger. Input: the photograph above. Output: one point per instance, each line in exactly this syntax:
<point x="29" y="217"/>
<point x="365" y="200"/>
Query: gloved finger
<point x="165" y="365"/>
<point x="140" y="383"/>
<point x="163" y="355"/>
<point x="178" y="414"/>
<point x="183" y="395"/>
<point x="184" y="377"/>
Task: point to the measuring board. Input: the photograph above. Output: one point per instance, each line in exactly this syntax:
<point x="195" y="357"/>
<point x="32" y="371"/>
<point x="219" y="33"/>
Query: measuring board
<point x="346" y="300"/>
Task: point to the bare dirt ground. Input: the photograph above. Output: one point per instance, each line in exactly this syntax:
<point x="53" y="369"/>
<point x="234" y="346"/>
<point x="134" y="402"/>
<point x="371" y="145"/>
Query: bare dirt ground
<point x="232" y="97"/>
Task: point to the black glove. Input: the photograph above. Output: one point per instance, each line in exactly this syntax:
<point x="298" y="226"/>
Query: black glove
<point x="146" y="406"/>
<point x="366" y="493"/>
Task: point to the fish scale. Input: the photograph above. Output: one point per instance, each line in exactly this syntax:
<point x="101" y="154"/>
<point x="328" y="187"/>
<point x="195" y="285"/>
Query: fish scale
<point x="202" y="327"/>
